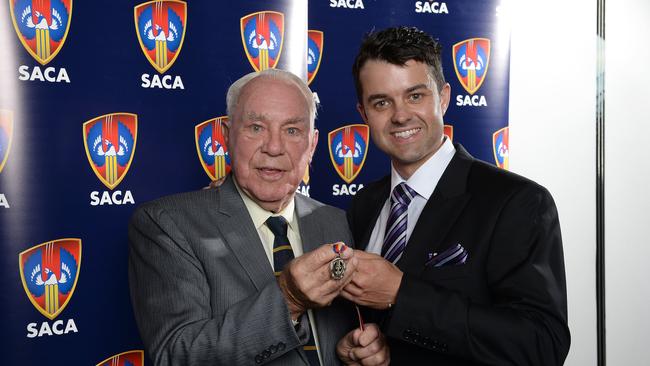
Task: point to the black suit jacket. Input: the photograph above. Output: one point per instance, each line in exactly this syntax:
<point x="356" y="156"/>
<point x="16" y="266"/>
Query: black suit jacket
<point x="507" y="304"/>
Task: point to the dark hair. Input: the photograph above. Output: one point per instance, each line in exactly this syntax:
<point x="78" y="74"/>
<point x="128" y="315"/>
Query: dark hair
<point x="397" y="46"/>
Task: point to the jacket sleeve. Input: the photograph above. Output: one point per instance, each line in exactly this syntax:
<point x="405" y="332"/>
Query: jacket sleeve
<point x="525" y="322"/>
<point x="172" y="304"/>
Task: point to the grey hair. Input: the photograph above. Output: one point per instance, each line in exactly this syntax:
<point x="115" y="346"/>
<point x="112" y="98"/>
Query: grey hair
<point x="234" y="92"/>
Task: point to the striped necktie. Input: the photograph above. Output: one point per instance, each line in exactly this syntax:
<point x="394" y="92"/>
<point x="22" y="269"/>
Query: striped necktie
<point x="395" y="238"/>
<point x="282" y="255"/>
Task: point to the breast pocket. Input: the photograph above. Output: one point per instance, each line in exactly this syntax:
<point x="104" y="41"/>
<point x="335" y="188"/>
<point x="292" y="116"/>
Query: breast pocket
<point x="449" y="272"/>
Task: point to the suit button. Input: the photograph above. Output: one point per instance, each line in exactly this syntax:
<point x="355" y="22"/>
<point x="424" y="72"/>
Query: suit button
<point x="416" y="338"/>
<point x="406" y="335"/>
<point x="258" y="359"/>
<point x="281" y="346"/>
<point x="426" y="341"/>
<point x="266" y="353"/>
<point x="273" y="348"/>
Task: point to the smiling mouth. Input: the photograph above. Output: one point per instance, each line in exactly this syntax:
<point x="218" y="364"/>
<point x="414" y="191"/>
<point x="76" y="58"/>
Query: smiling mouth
<point x="406" y="134"/>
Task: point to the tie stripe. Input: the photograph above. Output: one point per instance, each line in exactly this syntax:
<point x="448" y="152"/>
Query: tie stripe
<point x="283" y="247"/>
<point x="395" y="238"/>
<point x="282" y="255"/>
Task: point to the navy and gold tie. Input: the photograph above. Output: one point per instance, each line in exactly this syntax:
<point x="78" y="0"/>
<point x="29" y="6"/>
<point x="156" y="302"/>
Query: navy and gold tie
<point x="283" y="254"/>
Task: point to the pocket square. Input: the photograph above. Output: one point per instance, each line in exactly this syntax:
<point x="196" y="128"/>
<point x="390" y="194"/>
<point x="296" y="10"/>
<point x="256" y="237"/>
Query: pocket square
<point x="451" y="256"/>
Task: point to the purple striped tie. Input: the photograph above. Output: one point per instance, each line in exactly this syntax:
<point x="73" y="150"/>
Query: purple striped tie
<point x="395" y="238"/>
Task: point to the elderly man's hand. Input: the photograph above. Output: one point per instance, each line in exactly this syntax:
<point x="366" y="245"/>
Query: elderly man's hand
<point x="306" y="281"/>
<point x="375" y="283"/>
<point x="364" y="347"/>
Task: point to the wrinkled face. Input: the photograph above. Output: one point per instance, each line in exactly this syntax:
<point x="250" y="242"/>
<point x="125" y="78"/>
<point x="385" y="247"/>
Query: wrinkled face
<point x="404" y="110"/>
<point x="270" y="141"/>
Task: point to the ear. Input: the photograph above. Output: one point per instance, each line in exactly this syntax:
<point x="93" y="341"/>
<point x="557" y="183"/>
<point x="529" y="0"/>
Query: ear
<point x="314" y="142"/>
<point x="445" y="95"/>
<point x="225" y="131"/>
<point x="362" y="112"/>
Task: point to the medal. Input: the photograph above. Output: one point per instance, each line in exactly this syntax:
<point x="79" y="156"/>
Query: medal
<point x="337" y="265"/>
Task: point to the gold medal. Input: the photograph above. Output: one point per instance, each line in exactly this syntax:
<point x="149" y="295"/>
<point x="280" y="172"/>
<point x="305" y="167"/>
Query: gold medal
<point x="337" y="268"/>
<point x="337" y="265"/>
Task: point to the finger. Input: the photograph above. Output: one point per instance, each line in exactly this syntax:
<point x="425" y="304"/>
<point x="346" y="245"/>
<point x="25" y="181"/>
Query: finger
<point x="327" y="252"/>
<point x="355" y="336"/>
<point x="326" y="286"/>
<point x="324" y="275"/>
<point x="319" y="284"/>
<point x="315" y="262"/>
<point x="379" y="358"/>
<point x="345" y="251"/>
<point x="356" y="299"/>
<point x="322" y="293"/>
<point x="320" y="256"/>
<point x="352" y="265"/>
<point x="366" y="255"/>
<point x="370" y="354"/>
<point x="369" y="335"/>
<point x="353" y="289"/>
<point x="332" y="287"/>
<point x="348" y="296"/>
<point x="347" y="342"/>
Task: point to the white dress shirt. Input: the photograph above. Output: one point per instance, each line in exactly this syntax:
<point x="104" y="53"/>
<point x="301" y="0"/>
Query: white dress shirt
<point x="424" y="182"/>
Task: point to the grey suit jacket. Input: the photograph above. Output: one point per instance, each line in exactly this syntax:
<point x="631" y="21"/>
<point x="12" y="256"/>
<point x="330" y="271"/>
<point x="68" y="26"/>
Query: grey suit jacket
<point x="203" y="290"/>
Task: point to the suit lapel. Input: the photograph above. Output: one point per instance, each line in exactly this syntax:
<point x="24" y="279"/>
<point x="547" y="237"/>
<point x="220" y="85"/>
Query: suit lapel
<point x="370" y="214"/>
<point x="311" y="237"/>
<point x="440" y="213"/>
<point x="310" y="230"/>
<point x="312" y="234"/>
<point x="238" y="230"/>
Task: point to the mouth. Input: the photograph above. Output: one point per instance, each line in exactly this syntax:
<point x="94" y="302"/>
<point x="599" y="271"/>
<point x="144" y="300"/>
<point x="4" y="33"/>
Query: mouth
<point x="270" y="172"/>
<point x="406" y="134"/>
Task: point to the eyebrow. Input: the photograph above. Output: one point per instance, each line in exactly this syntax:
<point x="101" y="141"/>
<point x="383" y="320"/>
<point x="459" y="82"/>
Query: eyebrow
<point x="408" y="90"/>
<point x="294" y="120"/>
<point x="252" y="116"/>
<point x="416" y="87"/>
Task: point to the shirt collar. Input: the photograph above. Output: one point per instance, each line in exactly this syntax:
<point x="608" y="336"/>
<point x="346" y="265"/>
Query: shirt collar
<point x="260" y="215"/>
<point x="426" y="177"/>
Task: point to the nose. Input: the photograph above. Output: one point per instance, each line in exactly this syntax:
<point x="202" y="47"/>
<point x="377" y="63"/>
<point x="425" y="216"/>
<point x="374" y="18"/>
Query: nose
<point x="401" y="113"/>
<point x="273" y="144"/>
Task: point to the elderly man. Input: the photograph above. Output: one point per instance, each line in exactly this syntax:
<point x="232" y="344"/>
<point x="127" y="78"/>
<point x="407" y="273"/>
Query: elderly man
<point x="212" y="273"/>
<point x="466" y="265"/>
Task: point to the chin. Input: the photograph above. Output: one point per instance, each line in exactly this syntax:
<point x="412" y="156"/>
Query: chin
<point x="271" y="192"/>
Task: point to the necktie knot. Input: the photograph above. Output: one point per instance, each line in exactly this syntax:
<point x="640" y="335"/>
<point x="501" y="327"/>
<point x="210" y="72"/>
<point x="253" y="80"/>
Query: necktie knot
<point x="277" y="225"/>
<point x="403" y="194"/>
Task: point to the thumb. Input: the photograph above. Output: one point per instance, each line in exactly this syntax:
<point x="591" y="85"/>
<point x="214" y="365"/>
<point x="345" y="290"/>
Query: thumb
<point x="356" y="337"/>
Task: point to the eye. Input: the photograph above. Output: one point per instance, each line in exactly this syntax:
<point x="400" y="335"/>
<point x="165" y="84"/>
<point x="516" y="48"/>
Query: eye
<point x="415" y="97"/>
<point x="292" y="131"/>
<point x="380" y="104"/>
<point x="256" y="128"/>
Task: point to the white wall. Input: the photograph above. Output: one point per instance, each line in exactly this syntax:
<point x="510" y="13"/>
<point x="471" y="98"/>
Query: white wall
<point x="552" y="138"/>
<point x="627" y="201"/>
